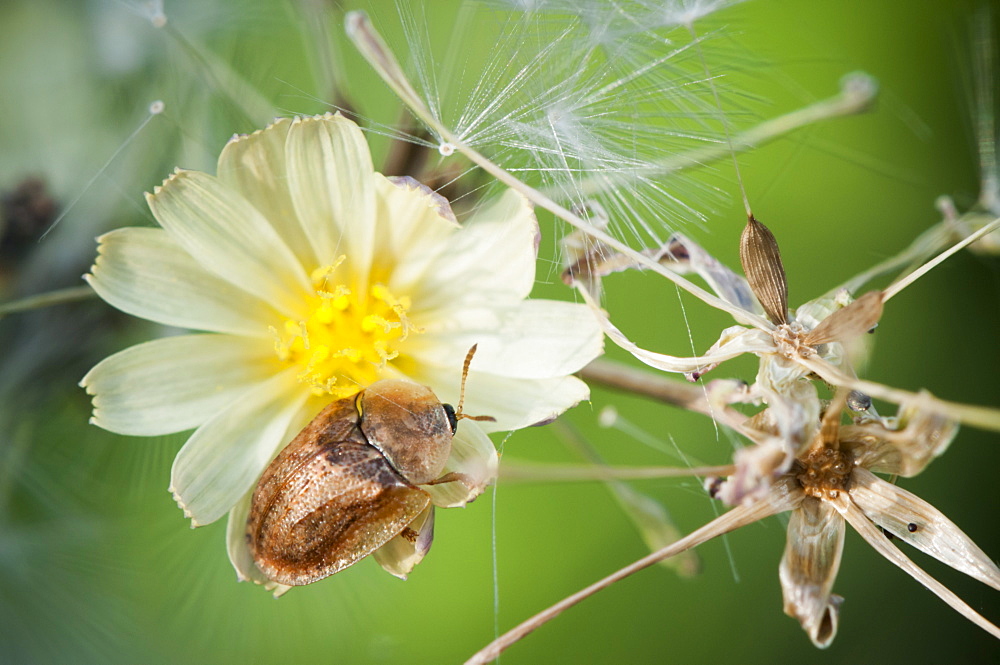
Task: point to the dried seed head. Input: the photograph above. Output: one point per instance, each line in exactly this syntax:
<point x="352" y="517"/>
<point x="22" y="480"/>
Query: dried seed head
<point x="761" y="261"/>
<point x="825" y="473"/>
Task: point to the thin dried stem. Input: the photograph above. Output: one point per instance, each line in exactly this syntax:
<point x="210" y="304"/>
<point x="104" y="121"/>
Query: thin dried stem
<point x="978" y="416"/>
<point x="688" y="396"/>
<point x="734" y="519"/>
<point x="620" y="376"/>
<point x="922" y="246"/>
<point x="903" y="282"/>
<point x="373" y="48"/>
<point x="535" y="472"/>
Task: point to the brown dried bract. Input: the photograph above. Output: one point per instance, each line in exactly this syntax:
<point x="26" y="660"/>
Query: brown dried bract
<point x="852" y="321"/>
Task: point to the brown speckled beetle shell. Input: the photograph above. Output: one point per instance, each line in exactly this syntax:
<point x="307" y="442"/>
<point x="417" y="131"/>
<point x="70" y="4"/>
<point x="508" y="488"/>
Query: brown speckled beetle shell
<point x="347" y="484"/>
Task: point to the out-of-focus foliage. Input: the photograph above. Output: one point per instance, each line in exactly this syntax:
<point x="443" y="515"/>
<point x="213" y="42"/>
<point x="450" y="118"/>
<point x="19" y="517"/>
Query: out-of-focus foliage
<point x="98" y="565"/>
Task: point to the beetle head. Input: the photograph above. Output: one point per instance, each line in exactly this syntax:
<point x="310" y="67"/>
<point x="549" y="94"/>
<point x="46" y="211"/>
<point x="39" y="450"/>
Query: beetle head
<point x="409" y="425"/>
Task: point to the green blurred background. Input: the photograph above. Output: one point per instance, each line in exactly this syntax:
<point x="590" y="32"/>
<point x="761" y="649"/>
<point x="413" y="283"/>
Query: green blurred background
<point x="97" y="565"/>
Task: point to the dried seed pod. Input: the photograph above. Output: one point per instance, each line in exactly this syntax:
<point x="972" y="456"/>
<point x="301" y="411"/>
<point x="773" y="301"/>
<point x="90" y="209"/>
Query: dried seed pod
<point x="761" y="261"/>
<point x="347" y="484"/>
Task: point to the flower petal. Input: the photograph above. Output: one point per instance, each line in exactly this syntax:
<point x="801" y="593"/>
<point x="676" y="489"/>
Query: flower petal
<point x="225" y="456"/>
<point x="420" y="230"/>
<point x="145" y="272"/>
<point x="254" y="166"/>
<point x="490" y="261"/>
<point x="517" y="403"/>
<point x="174" y="383"/>
<point x="474" y="458"/>
<point x="238" y="547"/>
<point x="535" y="339"/>
<point x="401" y="554"/>
<point x="514" y="402"/>
<point x="809" y="567"/>
<point x="331" y="184"/>
<point x="230" y="238"/>
<point x="910" y="518"/>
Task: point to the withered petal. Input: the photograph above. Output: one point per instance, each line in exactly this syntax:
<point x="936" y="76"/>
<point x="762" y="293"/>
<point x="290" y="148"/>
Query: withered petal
<point x="919" y="437"/>
<point x="910" y="518"/>
<point x="849" y="322"/>
<point x="683" y="255"/>
<point x="735" y="341"/>
<point x="809" y="567"/>
<point x="401" y="554"/>
<point x="876" y="538"/>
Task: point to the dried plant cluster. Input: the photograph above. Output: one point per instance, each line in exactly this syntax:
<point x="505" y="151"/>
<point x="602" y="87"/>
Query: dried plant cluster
<point x="802" y="458"/>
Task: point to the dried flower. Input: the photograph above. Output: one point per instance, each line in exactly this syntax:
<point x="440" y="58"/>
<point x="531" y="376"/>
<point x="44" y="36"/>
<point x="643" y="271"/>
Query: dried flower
<point x="312" y="277"/>
<point x="831" y="483"/>
<point x="817" y="339"/>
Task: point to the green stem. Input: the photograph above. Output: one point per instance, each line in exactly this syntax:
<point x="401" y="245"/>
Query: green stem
<point x="59" y="297"/>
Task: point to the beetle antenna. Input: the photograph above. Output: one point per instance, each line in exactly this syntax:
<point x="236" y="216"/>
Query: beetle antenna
<point x="459" y="415"/>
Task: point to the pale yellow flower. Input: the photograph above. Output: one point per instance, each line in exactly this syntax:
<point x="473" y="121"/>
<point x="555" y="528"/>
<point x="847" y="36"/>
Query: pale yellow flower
<point x="312" y="276"/>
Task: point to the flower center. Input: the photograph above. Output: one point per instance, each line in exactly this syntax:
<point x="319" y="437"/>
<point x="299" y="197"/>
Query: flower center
<point x="348" y="337"/>
<point x="788" y="338"/>
<point x="825" y="473"/>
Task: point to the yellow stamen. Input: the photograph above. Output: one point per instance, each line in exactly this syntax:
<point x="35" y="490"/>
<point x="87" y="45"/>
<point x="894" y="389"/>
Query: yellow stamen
<point x="348" y="337"/>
